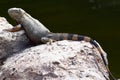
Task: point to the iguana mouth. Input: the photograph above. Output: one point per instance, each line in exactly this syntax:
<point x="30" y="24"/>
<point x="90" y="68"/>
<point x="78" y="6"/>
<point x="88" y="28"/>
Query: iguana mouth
<point x="16" y="13"/>
<point x="13" y="10"/>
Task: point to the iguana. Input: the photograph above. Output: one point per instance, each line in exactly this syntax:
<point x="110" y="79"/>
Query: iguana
<point x="38" y="33"/>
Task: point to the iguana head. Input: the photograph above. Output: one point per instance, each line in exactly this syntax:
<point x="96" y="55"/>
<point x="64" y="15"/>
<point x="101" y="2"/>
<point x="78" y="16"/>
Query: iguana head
<point x="16" y="13"/>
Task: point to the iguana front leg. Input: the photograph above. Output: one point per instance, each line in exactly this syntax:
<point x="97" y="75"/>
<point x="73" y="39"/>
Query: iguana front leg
<point x="15" y="29"/>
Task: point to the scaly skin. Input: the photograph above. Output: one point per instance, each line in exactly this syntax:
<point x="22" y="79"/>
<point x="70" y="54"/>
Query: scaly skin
<point x="33" y="28"/>
<point x="38" y="33"/>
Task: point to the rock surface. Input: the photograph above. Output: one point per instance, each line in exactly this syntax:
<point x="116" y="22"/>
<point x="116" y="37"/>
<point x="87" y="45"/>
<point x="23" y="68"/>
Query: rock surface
<point x="11" y="42"/>
<point x="62" y="60"/>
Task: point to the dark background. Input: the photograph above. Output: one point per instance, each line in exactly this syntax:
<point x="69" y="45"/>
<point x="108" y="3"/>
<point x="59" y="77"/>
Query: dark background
<point x="99" y="19"/>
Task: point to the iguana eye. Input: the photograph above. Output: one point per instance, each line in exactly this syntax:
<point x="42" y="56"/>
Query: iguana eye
<point x="16" y="11"/>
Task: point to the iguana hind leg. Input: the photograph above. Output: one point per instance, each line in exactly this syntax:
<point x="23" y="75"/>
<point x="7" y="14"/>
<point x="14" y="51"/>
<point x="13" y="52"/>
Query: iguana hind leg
<point x="47" y="40"/>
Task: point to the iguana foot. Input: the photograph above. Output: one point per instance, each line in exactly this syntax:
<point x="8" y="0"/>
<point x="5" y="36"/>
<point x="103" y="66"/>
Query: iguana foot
<point x="47" y="40"/>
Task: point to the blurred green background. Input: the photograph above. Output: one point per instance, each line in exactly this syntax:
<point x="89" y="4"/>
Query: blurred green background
<point x="99" y="19"/>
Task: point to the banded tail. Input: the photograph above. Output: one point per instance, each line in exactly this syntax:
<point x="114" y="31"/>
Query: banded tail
<point x="76" y="37"/>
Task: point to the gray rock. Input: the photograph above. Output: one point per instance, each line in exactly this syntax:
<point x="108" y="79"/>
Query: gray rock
<point x="11" y="42"/>
<point x="62" y="60"/>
